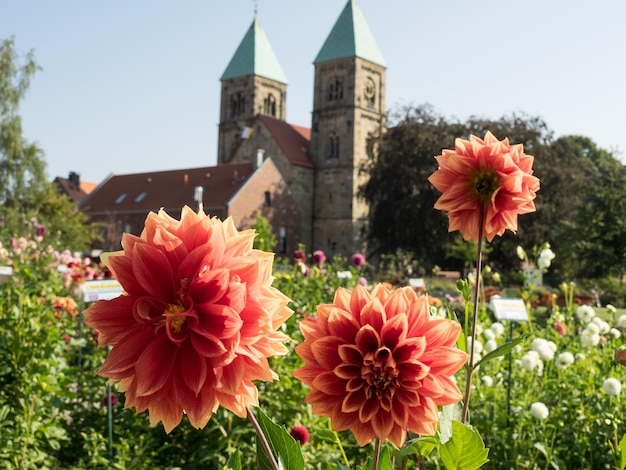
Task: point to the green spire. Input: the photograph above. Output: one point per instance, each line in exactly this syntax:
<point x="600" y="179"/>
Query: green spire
<point x="255" y="56"/>
<point x="350" y="37"/>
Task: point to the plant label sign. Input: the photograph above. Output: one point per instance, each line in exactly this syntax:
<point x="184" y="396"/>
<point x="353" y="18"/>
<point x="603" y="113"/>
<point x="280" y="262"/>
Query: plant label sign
<point x="5" y="273"/>
<point x="509" y="309"/>
<point x="105" y="289"/>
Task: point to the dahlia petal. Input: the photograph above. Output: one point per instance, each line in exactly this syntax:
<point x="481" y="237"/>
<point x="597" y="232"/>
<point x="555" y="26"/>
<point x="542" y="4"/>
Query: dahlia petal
<point x="394" y="330"/>
<point x="369" y="410"/>
<point x="166" y="411"/>
<point x="342" y="324"/>
<point x="330" y="384"/>
<point x="360" y="297"/>
<point x="382" y="423"/>
<point x="353" y="401"/>
<point x="367" y="339"/>
<point x="155" y="364"/>
<point x="444" y="360"/>
<point x="193" y="367"/>
<point x="326" y="352"/>
<point x="122" y="357"/>
<point x="153" y="272"/>
<point x="113" y="318"/>
<point x="350" y="355"/>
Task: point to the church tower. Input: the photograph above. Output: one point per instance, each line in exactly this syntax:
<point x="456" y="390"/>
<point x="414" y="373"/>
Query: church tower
<point x="348" y="110"/>
<point x="253" y="83"/>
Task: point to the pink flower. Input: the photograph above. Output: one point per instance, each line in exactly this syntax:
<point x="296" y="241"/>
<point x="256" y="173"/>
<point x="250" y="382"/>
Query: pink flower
<point x="197" y="321"/>
<point x="358" y="260"/>
<point x="377" y="363"/>
<point x="299" y="256"/>
<point x="319" y="257"/>
<point x="488" y="176"/>
<point x="560" y="328"/>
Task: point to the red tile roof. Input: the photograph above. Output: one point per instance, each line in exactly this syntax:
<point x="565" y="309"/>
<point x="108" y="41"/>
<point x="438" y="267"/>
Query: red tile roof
<point x="292" y="140"/>
<point x="142" y="192"/>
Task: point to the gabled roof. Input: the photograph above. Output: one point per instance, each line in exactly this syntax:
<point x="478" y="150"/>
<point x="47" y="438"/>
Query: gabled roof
<point x="350" y="37"/>
<point x="255" y="56"/>
<point x="143" y="192"/>
<point x="293" y="140"/>
<point x="67" y="186"/>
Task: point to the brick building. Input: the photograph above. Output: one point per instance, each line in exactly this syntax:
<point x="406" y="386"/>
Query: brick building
<point x="316" y="170"/>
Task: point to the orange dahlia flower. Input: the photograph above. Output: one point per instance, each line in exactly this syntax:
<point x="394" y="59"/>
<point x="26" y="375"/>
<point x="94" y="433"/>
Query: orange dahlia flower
<point x="488" y="176"/>
<point x="197" y="320"/>
<point x="378" y="364"/>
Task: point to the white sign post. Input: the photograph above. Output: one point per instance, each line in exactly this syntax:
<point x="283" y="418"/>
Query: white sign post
<point x="104" y="289"/>
<point x="509" y="309"/>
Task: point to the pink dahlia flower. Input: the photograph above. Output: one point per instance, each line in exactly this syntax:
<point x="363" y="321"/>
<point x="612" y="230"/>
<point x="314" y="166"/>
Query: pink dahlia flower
<point x="488" y="174"/>
<point x="378" y="364"/>
<point x="197" y="321"/>
<point x="319" y="257"/>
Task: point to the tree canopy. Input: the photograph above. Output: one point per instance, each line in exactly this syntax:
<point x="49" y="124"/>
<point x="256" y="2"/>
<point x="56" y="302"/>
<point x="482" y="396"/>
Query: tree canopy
<point x="581" y="207"/>
<point x="28" y="201"/>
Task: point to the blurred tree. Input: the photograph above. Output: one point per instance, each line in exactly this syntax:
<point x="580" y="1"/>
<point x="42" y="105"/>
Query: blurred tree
<point x="28" y="202"/>
<point x="581" y="207"/>
<point x="265" y="239"/>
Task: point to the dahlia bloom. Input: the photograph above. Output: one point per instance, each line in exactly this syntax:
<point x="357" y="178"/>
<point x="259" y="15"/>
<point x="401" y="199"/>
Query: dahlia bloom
<point x="486" y="174"/>
<point x="378" y="364"/>
<point x="319" y="257"/>
<point x="300" y="433"/>
<point x="357" y="260"/>
<point x="612" y="386"/>
<point x="197" y="320"/>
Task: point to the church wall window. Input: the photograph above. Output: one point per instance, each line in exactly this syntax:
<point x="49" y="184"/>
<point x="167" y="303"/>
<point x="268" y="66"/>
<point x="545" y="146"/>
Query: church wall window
<point x="237" y="104"/>
<point x="333" y="146"/>
<point x="335" y="89"/>
<point x="269" y="105"/>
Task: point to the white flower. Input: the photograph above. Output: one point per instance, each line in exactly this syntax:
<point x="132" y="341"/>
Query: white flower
<point x="585" y="313"/>
<point x="496" y="278"/>
<point x="478" y="346"/>
<point x="589" y="338"/>
<point x="544" y="348"/>
<point x="593" y="328"/>
<point x="539" y="410"/>
<point x="580" y="357"/>
<point x="611" y="308"/>
<point x="521" y="254"/>
<point x="621" y="321"/>
<point x="564" y="360"/>
<point x="557" y="317"/>
<point x="497" y="328"/>
<point x="344" y="275"/>
<point x="489" y="334"/>
<point x="612" y="386"/>
<point x="491" y="345"/>
<point x="545" y="258"/>
<point x="486" y="381"/>
<point x="602" y="325"/>
<point x="479" y="329"/>
<point x="518" y="348"/>
<point x="615" y="333"/>
<point x="531" y="360"/>
<point x="552" y="345"/>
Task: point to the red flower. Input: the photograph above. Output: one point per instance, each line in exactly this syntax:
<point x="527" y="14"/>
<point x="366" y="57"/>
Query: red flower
<point x="560" y="328"/>
<point x="197" y="321"/>
<point x="300" y="434"/>
<point x="319" y="257"/>
<point x="485" y="175"/>
<point x="377" y="364"/>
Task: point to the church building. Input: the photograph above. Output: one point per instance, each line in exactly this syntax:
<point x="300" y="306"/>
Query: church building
<point x="305" y="181"/>
<point x="321" y="165"/>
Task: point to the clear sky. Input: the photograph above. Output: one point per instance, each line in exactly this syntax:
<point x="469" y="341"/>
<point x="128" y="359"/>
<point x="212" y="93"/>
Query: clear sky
<point x="133" y="86"/>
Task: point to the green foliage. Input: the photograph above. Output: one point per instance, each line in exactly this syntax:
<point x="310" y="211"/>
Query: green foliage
<point x="27" y="199"/>
<point x="265" y="239"/>
<point x="581" y="207"/>
<point x="465" y="450"/>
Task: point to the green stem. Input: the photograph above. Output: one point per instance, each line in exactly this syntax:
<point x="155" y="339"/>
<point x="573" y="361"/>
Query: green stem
<point x="264" y="443"/>
<point x="470" y="367"/>
<point x="343" y="452"/>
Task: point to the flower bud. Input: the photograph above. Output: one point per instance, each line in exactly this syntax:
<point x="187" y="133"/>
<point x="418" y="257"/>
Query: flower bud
<point x="620" y="355"/>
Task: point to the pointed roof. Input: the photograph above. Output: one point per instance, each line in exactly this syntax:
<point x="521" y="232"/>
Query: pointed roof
<point x="255" y="56"/>
<point x="351" y="37"/>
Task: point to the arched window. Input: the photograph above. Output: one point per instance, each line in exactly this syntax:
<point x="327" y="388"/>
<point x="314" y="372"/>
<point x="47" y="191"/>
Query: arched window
<point x="369" y="93"/>
<point x="335" y="89"/>
<point x="269" y="105"/>
<point x="333" y="146"/>
<point x="237" y="104"/>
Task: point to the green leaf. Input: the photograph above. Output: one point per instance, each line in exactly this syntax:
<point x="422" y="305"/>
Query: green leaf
<point x="501" y="350"/>
<point x="284" y="447"/>
<point x="465" y="450"/>
<point x="420" y="446"/>
<point x="234" y="462"/>
<point x="449" y="414"/>
<point x="622" y="448"/>
<point x="384" y="461"/>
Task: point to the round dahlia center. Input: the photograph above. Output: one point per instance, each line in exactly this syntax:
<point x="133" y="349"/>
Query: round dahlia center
<point x="379" y="369"/>
<point x="176" y="322"/>
<point x="485" y="183"/>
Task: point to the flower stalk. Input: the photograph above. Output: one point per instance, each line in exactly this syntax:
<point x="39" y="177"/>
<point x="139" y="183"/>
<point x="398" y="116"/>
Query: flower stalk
<point x="263" y="440"/>
<point x="470" y="366"/>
